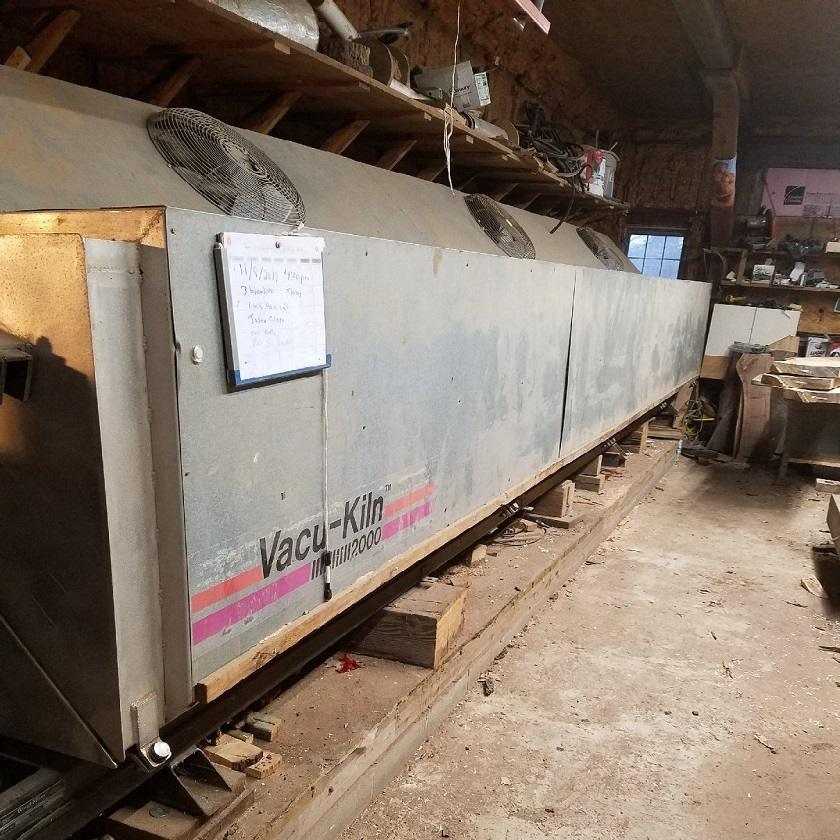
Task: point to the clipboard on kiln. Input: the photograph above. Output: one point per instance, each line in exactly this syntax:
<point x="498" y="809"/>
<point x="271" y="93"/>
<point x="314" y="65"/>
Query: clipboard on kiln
<point x="271" y="296"/>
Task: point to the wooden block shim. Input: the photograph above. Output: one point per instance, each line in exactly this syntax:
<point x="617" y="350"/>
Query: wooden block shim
<point x="233" y="753"/>
<point x="826" y="485"/>
<point x="557" y="501"/>
<point x="833" y="520"/>
<point x="417" y="628"/>
<point x="477" y="555"/>
<point x="152" y="820"/>
<point x="593" y="467"/>
<point x="593" y="483"/>
<point x="636" y="441"/>
<point x="613" y="458"/>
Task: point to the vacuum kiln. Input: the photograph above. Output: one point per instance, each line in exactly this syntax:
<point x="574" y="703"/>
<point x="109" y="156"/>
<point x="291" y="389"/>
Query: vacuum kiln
<point x="237" y="427"/>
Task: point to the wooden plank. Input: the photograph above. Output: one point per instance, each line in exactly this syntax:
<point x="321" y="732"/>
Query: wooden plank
<point x="145" y="225"/>
<point x="418" y="628"/>
<point x="165" y="89"/>
<point x="664" y="432"/>
<point x="802" y="396"/>
<point x="272" y="112"/>
<point x="395" y="154"/>
<point x="821" y="366"/>
<point x="224" y="678"/>
<point x="808" y="383"/>
<point x="339" y="141"/>
<point x="833" y="520"/>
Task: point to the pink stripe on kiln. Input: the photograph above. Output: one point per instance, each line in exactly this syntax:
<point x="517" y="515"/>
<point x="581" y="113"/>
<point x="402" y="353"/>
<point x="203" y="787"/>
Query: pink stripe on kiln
<point x="220" y="620"/>
<point x="406" y="520"/>
<point x="408" y="499"/>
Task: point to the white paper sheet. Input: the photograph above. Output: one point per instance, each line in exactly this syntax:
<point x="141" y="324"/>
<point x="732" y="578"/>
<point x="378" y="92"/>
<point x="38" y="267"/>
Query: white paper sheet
<point x="274" y="298"/>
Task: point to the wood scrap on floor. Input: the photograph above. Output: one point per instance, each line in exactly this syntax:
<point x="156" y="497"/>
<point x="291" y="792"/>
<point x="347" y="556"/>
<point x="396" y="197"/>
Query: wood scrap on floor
<point x="752" y="428"/>
<point x="261" y="726"/>
<point x="418" y="628"/>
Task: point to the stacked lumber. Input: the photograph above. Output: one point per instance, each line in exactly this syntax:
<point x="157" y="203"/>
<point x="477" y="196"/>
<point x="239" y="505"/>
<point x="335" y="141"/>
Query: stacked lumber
<point x="805" y="380"/>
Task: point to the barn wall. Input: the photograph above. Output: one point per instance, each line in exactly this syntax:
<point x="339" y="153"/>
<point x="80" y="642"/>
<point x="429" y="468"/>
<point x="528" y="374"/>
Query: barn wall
<point x="664" y="177"/>
<point x="523" y="65"/>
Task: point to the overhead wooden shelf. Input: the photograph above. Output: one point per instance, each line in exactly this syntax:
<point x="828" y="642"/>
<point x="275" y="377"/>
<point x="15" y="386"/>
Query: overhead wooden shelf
<point x="191" y="52"/>
<point x="794" y="290"/>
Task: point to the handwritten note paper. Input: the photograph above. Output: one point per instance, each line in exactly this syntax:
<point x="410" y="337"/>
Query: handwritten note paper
<point x="274" y="300"/>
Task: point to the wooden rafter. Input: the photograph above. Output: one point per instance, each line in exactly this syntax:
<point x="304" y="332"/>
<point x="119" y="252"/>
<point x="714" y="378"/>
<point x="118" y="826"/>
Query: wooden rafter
<point x="266" y="118"/>
<point x="339" y="141"/>
<point x="396" y="153"/>
<point x="431" y="171"/>
<point x="172" y="83"/>
<point x="41" y="48"/>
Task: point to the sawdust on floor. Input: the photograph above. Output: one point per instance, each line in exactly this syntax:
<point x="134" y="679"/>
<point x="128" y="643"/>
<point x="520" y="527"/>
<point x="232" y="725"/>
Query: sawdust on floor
<point x="676" y="688"/>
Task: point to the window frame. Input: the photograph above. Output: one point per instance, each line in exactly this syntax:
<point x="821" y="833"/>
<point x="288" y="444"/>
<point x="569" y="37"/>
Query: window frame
<point x="644" y="230"/>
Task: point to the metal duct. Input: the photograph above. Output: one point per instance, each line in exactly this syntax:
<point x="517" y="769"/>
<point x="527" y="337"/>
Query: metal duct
<point x="293" y="19"/>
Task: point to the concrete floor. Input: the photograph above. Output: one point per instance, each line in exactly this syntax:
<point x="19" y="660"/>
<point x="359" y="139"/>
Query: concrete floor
<point x="675" y="689"/>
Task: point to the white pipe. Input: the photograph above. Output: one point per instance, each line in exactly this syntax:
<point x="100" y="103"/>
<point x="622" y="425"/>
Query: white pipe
<point x="337" y="20"/>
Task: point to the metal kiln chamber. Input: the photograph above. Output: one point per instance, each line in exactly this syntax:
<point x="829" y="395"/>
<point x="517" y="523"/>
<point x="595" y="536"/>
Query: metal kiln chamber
<point x="160" y="524"/>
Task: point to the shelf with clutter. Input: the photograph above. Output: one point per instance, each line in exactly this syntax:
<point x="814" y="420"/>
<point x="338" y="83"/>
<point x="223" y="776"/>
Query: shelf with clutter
<point x="310" y="76"/>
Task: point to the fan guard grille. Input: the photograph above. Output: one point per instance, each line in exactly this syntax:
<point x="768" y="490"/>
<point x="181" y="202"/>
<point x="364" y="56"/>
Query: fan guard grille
<point x="501" y="227"/>
<point x="601" y="249"/>
<point x="225" y="167"/>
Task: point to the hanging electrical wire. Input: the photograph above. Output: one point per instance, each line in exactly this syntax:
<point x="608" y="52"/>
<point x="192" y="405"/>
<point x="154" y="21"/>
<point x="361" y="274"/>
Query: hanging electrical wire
<point x="449" y="114"/>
